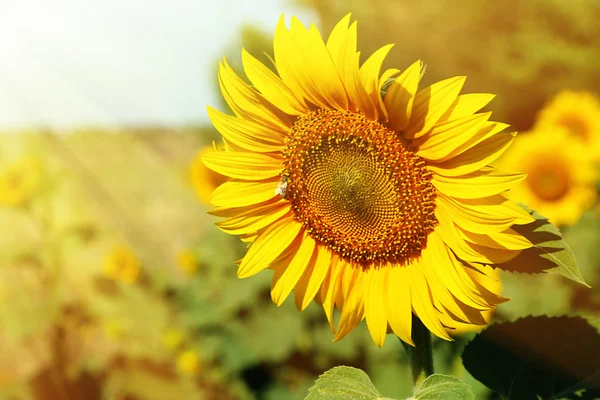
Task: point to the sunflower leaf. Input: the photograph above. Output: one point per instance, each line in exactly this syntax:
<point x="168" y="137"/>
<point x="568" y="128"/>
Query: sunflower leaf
<point x="344" y="383"/>
<point x="437" y="387"/>
<point x="537" y="357"/>
<point x="550" y="253"/>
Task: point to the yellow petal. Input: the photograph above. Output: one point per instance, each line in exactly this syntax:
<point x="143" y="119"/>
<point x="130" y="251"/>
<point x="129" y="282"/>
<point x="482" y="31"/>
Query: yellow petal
<point x="274" y="241"/>
<point x="506" y="240"/>
<point x="255" y="220"/>
<point x="240" y="193"/>
<point x="400" y="96"/>
<point x="431" y="103"/>
<point x="496" y="205"/>
<point x="369" y="76"/>
<point x="311" y="280"/>
<point x="246" y="134"/>
<point x="329" y="288"/>
<point x="374" y="304"/>
<point x="342" y="47"/>
<point x="247" y="102"/>
<point x="486" y="182"/>
<point x="271" y="86"/>
<point x="423" y="304"/>
<point x="305" y="65"/>
<point x="466" y="104"/>
<point x="294" y="270"/>
<point x="451" y="138"/>
<point x="250" y="166"/>
<point x="353" y="311"/>
<point x="475" y="158"/>
<point x="397" y="303"/>
<point x="474" y="218"/>
<point x="441" y="264"/>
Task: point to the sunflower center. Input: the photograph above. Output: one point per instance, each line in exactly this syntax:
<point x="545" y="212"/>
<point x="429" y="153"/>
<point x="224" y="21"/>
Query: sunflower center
<point x="358" y="188"/>
<point x="549" y="181"/>
<point x="575" y="125"/>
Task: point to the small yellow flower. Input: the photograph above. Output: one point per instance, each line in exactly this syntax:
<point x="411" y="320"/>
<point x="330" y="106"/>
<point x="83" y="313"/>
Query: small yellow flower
<point x="203" y="179"/>
<point x="188" y="363"/>
<point x="172" y="338"/>
<point x="578" y="113"/>
<point x="561" y="176"/>
<point x="187" y="261"/>
<point x="122" y="264"/>
<point x="19" y="181"/>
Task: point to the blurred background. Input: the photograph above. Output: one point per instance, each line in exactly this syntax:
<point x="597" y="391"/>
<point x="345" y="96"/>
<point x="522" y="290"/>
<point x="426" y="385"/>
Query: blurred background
<point x="115" y="283"/>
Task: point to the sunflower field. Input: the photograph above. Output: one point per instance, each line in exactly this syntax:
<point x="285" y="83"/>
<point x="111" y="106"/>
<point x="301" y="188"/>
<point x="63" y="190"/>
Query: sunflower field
<point x="357" y="221"/>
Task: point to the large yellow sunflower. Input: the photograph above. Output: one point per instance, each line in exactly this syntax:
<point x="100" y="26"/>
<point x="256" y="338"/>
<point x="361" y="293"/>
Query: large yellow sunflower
<point x="561" y="175"/>
<point x="578" y="113"/>
<point x="379" y="206"/>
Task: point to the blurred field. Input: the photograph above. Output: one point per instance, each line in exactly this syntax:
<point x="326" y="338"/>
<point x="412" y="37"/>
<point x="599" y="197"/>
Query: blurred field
<point x="115" y="283"/>
<point x="182" y="326"/>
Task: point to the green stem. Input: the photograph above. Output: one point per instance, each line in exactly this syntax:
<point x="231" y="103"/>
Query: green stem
<point x="421" y="355"/>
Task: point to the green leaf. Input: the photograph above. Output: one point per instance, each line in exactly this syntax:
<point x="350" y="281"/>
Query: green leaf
<point x="584" y="241"/>
<point x="343" y="383"/>
<point x="550" y="252"/>
<point x="443" y="387"/>
<point x="537" y="357"/>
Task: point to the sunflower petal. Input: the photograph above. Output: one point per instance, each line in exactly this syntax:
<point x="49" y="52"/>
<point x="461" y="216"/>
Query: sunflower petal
<point x="250" y="166"/>
<point x="329" y="288"/>
<point x="449" y="139"/>
<point x="422" y="303"/>
<point x="440" y="263"/>
<point x="268" y="246"/>
<point x="369" y="76"/>
<point x="244" y="134"/>
<point x="397" y="303"/>
<point x="400" y="96"/>
<point x="431" y="103"/>
<point x="465" y="105"/>
<point x="294" y="270"/>
<point x="313" y="277"/>
<point x="474" y="219"/>
<point x="247" y="102"/>
<point x="271" y="86"/>
<point x="375" y="312"/>
<point x="240" y="193"/>
<point x="318" y="80"/>
<point x="475" y="158"/>
<point x="486" y="182"/>
<point x="254" y="221"/>
<point x="353" y="311"/>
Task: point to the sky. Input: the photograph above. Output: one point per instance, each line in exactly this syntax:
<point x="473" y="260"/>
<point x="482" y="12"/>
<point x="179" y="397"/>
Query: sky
<point x="70" y="63"/>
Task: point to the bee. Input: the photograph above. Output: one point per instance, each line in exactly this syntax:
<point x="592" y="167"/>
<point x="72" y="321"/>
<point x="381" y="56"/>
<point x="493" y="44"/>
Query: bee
<point x="282" y="186"/>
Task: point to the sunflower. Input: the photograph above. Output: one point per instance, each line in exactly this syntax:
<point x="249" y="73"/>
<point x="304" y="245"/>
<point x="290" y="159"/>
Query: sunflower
<point x="19" y="181"/>
<point x="121" y="264"/>
<point x="379" y="206"/>
<point x="204" y="180"/>
<point x="561" y="175"/>
<point x="578" y="113"/>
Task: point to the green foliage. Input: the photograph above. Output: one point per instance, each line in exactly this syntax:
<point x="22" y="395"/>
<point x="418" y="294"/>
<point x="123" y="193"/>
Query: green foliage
<point x="343" y="383"/>
<point x="443" y="387"/>
<point x="550" y="252"/>
<point x="585" y="241"/>
<point x="347" y="383"/>
<point x="537" y="357"/>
